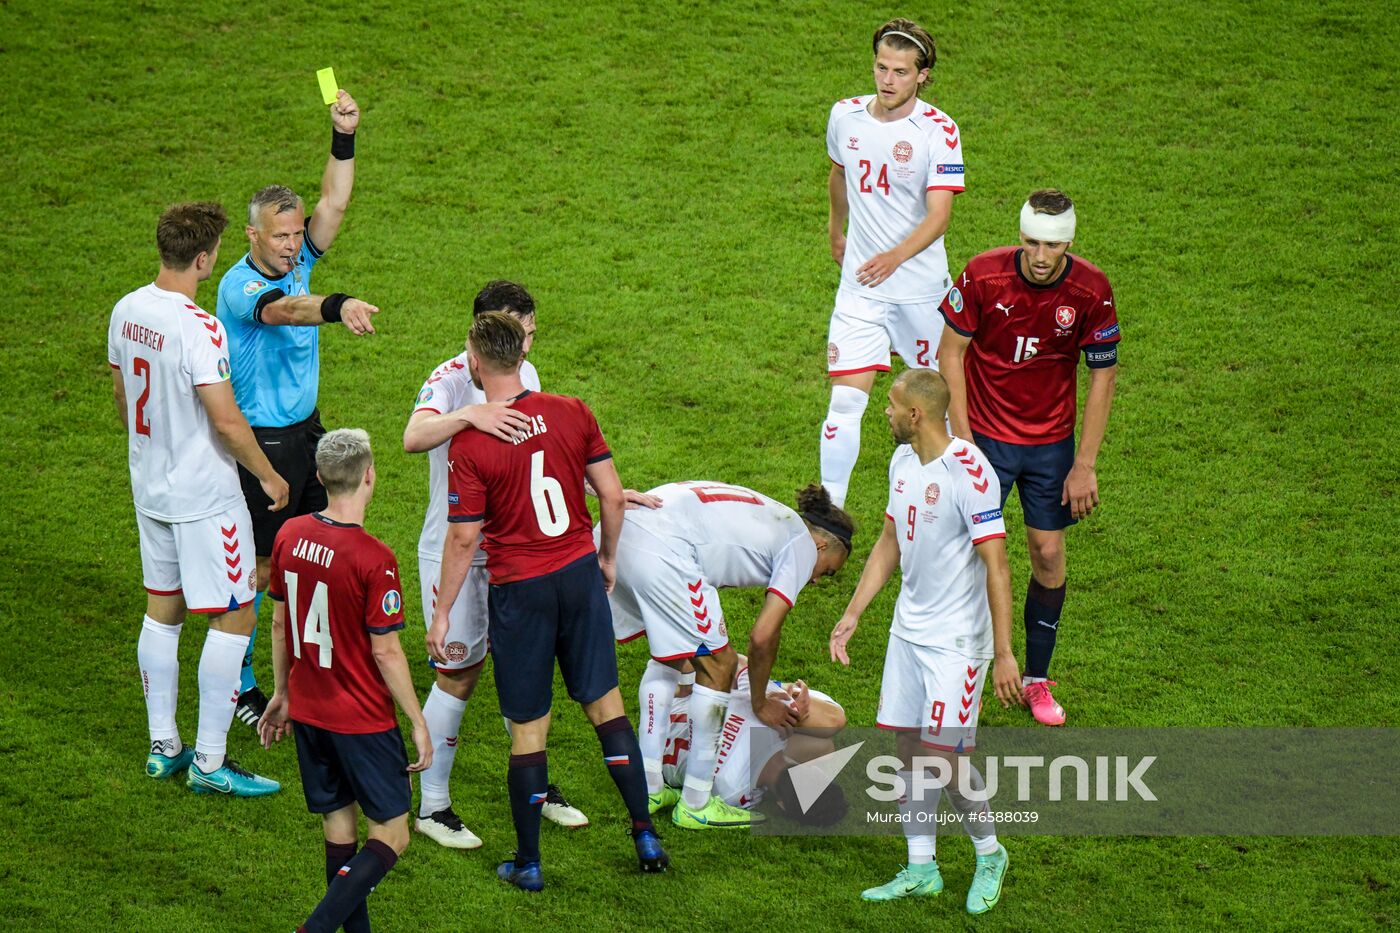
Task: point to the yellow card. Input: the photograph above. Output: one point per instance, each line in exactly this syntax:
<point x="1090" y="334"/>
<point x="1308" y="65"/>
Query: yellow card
<point x="328" y="86"/>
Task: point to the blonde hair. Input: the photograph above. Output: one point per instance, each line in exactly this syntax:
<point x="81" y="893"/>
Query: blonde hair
<point x="342" y="457"/>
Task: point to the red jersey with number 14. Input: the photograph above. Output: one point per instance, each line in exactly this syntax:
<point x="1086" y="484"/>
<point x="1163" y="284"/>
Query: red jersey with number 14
<point x="340" y="585"/>
<point x="1026" y="340"/>
<point x="529" y="493"/>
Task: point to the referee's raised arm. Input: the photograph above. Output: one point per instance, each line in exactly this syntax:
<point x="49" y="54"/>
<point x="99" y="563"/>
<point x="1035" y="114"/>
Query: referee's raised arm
<point x="339" y="178"/>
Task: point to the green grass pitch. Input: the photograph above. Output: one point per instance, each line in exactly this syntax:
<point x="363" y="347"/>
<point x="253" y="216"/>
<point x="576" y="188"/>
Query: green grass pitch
<point x="656" y="174"/>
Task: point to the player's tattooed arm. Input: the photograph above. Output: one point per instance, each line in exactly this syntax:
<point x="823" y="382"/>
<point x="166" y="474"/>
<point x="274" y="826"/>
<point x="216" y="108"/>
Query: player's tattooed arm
<point x="427" y="430"/>
<point x="879" y="566"/>
<point x="1081" y="489"/>
<point x="882" y="265"/>
<point x="952" y="349"/>
<point x="457" y="552"/>
<point x="840" y="212"/>
<point x="763" y="651"/>
<point x="119" y="397"/>
<point x="1006" y="673"/>
<point x="237" y="438"/>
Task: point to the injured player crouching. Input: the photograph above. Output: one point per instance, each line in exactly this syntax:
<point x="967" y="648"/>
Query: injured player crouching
<point x="753" y="758"/>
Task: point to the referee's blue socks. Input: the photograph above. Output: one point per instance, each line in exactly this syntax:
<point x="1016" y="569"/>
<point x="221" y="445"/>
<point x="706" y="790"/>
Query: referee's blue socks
<point x="528" y="782"/>
<point x="353" y="883"/>
<point x="1042" y="619"/>
<point x="623" y="757"/>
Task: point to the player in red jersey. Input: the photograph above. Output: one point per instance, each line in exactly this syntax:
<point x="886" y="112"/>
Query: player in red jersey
<point x="338" y="670"/>
<point x="548" y="593"/>
<point x="1018" y="318"/>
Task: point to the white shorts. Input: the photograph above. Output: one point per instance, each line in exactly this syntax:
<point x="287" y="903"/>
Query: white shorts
<point x="466" y="622"/>
<point x="863" y="332"/>
<point x="661" y="591"/>
<point x="209" y="560"/>
<point x="933" y="690"/>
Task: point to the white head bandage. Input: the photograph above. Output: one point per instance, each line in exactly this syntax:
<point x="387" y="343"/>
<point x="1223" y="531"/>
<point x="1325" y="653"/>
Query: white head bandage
<point x="1047" y="228"/>
<point x="896" y="32"/>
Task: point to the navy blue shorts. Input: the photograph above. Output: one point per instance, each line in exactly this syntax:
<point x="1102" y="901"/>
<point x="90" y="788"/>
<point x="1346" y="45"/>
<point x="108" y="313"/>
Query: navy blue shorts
<point x="338" y="769"/>
<point x="1039" y="472"/>
<point x="562" y="615"/>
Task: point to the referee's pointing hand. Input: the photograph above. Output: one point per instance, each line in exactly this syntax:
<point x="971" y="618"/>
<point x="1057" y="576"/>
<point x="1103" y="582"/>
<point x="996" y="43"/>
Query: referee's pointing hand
<point x="355" y="314"/>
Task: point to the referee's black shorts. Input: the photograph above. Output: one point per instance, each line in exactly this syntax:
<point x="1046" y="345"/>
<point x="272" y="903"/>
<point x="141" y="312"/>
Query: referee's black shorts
<point x="292" y="452"/>
<point x="338" y="769"/>
<point x="564" y="614"/>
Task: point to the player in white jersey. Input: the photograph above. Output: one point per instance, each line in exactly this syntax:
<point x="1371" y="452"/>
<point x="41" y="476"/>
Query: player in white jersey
<point x="943" y="529"/>
<point x="896" y="164"/>
<point x="753" y="758"/>
<point x="185" y="435"/>
<point x="671" y="563"/>
<point x="447" y="403"/>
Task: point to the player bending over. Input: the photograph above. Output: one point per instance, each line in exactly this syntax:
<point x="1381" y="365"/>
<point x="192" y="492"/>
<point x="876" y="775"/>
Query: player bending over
<point x="1017" y="321"/>
<point x="753" y="758"/>
<point x="896" y="164"/>
<point x="944" y="532"/>
<point x="671" y="562"/>
<point x="548" y="592"/>
<point x="170" y="381"/>
<point x="338" y="669"/>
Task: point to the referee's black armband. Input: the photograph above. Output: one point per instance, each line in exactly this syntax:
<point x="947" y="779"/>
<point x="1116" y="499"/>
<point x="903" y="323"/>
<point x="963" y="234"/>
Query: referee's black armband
<point x="330" y="307"/>
<point x="342" y="145"/>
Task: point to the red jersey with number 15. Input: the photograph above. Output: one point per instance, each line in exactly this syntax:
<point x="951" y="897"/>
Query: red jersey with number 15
<point x="1026" y="340"/>
<point x="529" y="493"/>
<point x="340" y="585"/>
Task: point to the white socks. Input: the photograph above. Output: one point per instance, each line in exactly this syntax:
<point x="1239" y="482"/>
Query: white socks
<point x="443" y="713"/>
<point x="654" y="696"/>
<point x="973" y="811"/>
<point x="707" y="709"/>
<point x="920" y="833"/>
<point x="840" y="441"/>
<point x="158" y="653"/>
<point x="220" y="672"/>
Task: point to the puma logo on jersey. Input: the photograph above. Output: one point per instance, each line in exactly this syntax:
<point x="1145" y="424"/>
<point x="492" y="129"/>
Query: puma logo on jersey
<point x="1005" y="309"/>
<point x="389" y="574"/>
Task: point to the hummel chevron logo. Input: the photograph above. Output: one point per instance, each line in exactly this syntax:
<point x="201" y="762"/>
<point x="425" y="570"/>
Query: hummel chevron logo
<point x="695" y="587"/>
<point x="829" y="432"/>
<point x="811" y="778"/>
<point x="980" y="487"/>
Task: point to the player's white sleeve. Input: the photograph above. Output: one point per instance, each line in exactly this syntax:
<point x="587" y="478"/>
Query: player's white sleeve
<point x="946" y="169"/>
<point x="206" y="351"/>
<point x="529" y="376"/>
<point x="792" y="570"/>
<point x="889" y="498"/>
<point x="980" y="506"/>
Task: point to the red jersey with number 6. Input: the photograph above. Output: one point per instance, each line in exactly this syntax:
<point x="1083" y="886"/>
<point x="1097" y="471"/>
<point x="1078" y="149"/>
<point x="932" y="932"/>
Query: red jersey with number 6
<point x="528" y="493"/>
<point x="340" y="585"/>
<point x="1026" y="340"/>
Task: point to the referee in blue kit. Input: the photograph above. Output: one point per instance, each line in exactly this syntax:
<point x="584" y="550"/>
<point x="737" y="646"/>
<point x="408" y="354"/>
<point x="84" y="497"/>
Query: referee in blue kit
<point x="273" y="320"/>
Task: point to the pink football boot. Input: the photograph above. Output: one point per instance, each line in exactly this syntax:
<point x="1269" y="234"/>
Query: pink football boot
<point x="1043" y="706"/>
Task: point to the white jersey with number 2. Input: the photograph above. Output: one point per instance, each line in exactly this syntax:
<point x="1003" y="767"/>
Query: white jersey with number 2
<point x="941" y="510"/>
<point x="890" y="169"/>
<point x="164" y="346"/>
